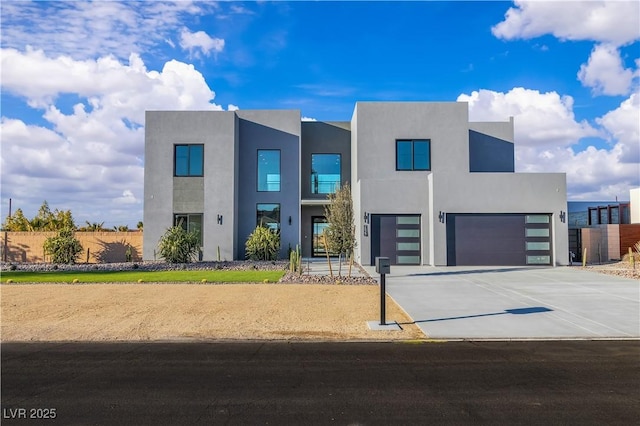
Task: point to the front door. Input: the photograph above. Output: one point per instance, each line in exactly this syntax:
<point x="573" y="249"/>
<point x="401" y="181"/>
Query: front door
<point x="318" y="224"/>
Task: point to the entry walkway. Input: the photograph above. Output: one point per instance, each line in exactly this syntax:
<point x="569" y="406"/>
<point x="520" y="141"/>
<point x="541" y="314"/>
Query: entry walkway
<point x="516" y="302"/>
<point x="320" y="266"/>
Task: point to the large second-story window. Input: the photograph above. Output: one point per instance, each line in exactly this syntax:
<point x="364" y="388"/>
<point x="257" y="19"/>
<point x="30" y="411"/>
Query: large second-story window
<point x="269" y="170"/>
<point x="325" y="173"/>
<point x="188" y="160"/>
<point x="413" y="155"/>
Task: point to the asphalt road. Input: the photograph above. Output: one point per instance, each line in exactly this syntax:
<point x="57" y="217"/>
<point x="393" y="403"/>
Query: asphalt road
<point x="562" y="382"/>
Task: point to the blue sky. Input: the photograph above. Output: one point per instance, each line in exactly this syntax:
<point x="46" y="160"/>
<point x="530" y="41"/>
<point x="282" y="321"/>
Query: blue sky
<point x="77" y="77"/>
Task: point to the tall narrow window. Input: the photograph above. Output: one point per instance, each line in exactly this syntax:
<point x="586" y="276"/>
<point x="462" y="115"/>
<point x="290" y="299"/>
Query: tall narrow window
<point x="269" y="170"/>
<point x="325" y="173"/>
<point x="268" y="215"/>
<point x="188" y="160"/>
<point x="413" y="154"/>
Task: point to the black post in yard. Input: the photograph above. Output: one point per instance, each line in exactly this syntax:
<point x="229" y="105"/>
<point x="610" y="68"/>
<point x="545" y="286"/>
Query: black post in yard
<point x="383" y="300"/>
<point x="6" y="235"/>
<point x="383" y="267"/>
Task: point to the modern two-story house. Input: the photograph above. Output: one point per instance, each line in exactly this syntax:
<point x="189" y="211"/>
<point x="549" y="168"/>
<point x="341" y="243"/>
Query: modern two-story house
<point x="429" y="187"/>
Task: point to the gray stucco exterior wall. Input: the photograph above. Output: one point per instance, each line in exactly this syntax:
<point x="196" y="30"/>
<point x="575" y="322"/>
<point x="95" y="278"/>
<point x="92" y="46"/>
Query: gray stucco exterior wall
<point x="448" y="187"/>
<point x="384" y="190"/>
<point x="214" y="191"/>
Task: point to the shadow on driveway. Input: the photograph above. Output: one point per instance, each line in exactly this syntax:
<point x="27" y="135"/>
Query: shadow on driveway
<point x="516" y="311"/>
<point x="471" y="271"/>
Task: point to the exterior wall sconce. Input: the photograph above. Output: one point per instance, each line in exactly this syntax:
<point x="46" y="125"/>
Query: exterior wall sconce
<point x="289" y="220"/>
<point x="366" y="217"/>
<point x="563" y="216"/>
<point x="442" y="217"/>
<point x="366" y="230"/>
<point x="219" y="219"/>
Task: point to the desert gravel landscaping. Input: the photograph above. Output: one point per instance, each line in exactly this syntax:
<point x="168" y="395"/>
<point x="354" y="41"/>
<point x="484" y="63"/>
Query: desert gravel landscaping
<point x="134" y="312"/>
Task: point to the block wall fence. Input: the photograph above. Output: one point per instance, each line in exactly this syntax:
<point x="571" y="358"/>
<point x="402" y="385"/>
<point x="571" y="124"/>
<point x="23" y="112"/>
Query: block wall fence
<point x="98" y="247"/>
<point x="606" y="243"/>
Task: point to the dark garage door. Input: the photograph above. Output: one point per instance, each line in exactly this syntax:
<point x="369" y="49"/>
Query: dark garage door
<point x="498" y="239"/>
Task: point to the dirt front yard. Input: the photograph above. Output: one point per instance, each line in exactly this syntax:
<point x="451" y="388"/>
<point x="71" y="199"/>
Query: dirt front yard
<point x="107" y="312"/>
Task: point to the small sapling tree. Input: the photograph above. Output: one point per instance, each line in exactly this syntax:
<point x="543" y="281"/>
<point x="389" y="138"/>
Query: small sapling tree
<point x="341" y="232"/>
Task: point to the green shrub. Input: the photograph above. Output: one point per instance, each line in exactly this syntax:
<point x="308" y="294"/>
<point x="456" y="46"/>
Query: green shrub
<point x="263" y="244"/>
<point x="63" y="248"/>
<point x="179" y="246"/>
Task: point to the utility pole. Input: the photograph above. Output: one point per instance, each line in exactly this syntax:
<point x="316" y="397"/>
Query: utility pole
<point x="6" y="245"/>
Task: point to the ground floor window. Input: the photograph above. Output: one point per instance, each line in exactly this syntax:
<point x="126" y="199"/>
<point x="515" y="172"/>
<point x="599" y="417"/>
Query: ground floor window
<point x="268" y="215"/>
<point x="189" y="222"/>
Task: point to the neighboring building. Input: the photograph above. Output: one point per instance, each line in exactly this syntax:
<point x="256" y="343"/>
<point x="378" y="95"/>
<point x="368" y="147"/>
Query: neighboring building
<point x="429" y="187"/>
<point x="585" y="214"/>
<point x="605" y="229"/>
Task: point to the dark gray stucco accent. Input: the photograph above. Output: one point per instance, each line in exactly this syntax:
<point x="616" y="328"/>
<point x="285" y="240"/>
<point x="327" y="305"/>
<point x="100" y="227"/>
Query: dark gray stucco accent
<point x="254" y="136"/>
<point x="490" y="154"/>
<point x="324" y="138"/>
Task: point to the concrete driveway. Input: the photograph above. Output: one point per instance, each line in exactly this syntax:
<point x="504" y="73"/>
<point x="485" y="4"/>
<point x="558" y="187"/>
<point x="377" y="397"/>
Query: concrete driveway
<point x="516" y="303"/>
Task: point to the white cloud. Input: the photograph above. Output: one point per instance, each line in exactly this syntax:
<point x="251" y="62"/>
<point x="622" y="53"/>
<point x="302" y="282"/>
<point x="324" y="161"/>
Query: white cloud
<point x="126" y="88"/>
<point x="127" y="198"/>
<point x="232" y="107"/>
<point x="88" y="158"/>
<point x="200" y="40"/>
<point x="546" y="130"/>
<point x="542" y="119"/>
<point x="605" y="72"/>
<point x="614" y="22"/>
<point x="97" y="28"/>
<point x="623" y="126"/>
<point x="308" y="119"/>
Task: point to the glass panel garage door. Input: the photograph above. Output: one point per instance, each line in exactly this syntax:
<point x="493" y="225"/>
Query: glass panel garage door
<point x="498" y="239"/>
<point x="396" y="237"/>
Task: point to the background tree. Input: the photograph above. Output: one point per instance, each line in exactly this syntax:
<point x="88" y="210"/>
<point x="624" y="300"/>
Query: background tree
<point x="140" y="226"/>
<point x="263" y="244"/>
<point x="178" y="245"/>
<point x="45" y="220"/>
<point x="93" y="227"/>
<point x="63" y="219"/>
<point x="17" y="222"/>
<point x="121" y="228"/>
<point x="63" y="248"/>
<point x="341" y="232"/>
